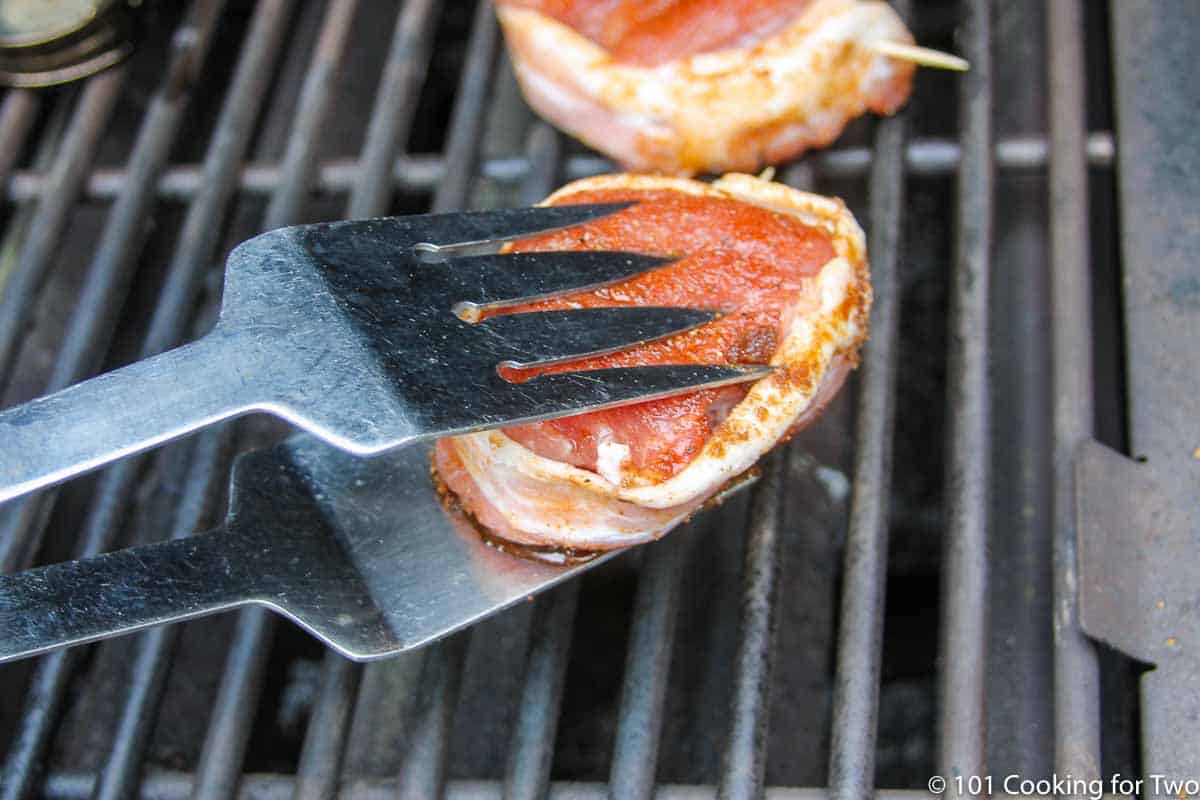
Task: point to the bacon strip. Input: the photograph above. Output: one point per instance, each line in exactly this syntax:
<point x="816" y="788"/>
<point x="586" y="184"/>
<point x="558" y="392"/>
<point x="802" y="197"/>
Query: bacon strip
<point x="787" y="77"/>
<point x="526" y="484"/>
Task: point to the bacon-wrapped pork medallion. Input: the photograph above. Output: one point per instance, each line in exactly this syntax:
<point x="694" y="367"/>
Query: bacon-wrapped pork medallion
<point x="789" y="271"/>
<point x="687" y="86"/>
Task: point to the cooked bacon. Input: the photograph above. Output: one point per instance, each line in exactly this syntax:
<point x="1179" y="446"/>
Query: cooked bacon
<point x="686" y="86"/>
<point x="788" y="268"/>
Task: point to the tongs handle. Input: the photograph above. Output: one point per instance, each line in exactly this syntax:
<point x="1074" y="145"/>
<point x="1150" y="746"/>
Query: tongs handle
<point x="117" y="593"/>
<point x="126" y="411"/>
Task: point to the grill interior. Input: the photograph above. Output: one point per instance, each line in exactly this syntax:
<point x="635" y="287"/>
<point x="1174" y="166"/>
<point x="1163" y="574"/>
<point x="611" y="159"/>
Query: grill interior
<point x="878" y="610"/>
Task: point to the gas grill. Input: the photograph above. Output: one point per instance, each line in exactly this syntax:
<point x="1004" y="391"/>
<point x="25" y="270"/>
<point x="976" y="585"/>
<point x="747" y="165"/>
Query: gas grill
<point x="904" y="594"/>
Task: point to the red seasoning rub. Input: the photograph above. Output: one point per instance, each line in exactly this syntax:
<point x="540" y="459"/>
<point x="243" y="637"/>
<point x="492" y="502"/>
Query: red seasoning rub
<point x="788" y="269"/>
<point x="686" y="86"/>
<point x="647" y="34"/>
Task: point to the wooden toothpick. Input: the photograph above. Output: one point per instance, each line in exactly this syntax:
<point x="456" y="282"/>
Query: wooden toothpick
<point x="924" y="56"/>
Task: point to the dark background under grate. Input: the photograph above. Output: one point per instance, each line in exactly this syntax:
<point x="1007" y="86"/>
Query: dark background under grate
<point x="310" y="111"/>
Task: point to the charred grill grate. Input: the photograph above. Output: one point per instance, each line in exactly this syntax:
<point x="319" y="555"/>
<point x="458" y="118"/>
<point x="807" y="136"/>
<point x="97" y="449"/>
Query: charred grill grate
<point x="661" y="678"/>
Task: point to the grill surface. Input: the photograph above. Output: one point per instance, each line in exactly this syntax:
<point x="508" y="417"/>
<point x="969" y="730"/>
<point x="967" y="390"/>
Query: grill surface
<point x="792" y="639"/>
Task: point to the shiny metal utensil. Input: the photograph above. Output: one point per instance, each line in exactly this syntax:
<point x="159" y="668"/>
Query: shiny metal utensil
<point x="359" y="551"/>
<point x="357" y="332"/>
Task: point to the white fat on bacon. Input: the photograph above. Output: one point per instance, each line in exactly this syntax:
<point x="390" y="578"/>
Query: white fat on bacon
<point x="734" y="109"/>
<point x="532" y="499"/>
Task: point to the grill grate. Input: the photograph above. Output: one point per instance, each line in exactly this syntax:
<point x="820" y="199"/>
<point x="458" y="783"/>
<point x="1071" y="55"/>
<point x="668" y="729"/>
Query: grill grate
<point x="1076" y="678"/>
<point x="391" y="727"/>
<point x="928" y="156"/>
<point x="962" y="717"/>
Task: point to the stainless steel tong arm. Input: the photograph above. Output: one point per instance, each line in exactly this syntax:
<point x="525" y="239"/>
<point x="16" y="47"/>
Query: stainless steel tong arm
<point x="348" y="330"/>
<point x="128" y="410"/>
<point x="117" y="593"/>
<point x="81" y="601"/>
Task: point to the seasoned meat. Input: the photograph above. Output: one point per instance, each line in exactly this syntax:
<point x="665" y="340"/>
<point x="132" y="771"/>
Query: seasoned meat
<point x="789" y="271"/>
<point x="686" y="86"/>
<point x="647" y="34"/>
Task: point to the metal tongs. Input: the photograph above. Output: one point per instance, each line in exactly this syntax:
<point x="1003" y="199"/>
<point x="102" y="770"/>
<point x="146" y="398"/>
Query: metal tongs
<point x="361" y="333"/>
<point x="358" y="332"/>
<point x="361" y="552"/>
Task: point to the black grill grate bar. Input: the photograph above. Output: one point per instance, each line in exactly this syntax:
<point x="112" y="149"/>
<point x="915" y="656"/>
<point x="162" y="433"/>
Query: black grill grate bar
<point x="316" y="99"/>
<point x="743" y="765"/>
<point x="201" y="229"/>
<point x="229" y="728"/>
<point x="544" y="151"/>
<point x="241" y="682"/>
<point x="116" y="255"/>
<point x="325" y="738"/>
<point x="95" y="317"/>
<point x="391" y="119"/>
<point x="65" y="184"/>
<point x="17" y="115"/>
<point x="167" y="325"/>
<point x="122" y="769"/>
<point x="923" y="157"/>
<point x="467" y="121"/>
<point x="46" y="693"/>
<point x="423" y="772"/>
<point x="78" y="357"/>
<point x="156" y="648"/>
<point x="147" y="681"/>
<point x="395" y="107"/>
<point x="532" y="751"/>
<point x="218" y="773"/>
<point x="860" y="625"/>
<point x="961" y="685"/>
<point x="647" y="668"/>
<point x="1076" y="673"/>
